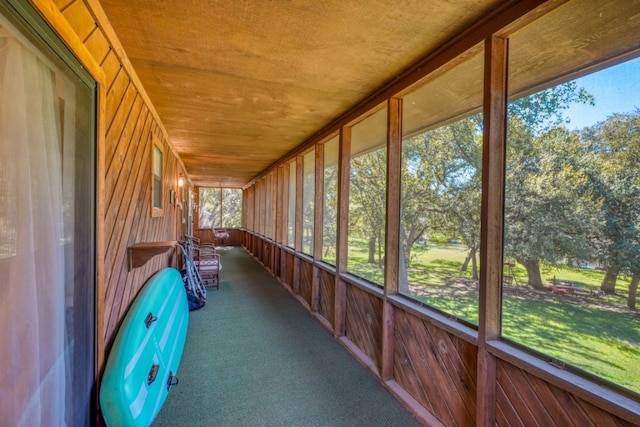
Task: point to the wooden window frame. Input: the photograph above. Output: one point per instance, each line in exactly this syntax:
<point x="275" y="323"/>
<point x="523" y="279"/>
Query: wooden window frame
<point x="156" y="146"/>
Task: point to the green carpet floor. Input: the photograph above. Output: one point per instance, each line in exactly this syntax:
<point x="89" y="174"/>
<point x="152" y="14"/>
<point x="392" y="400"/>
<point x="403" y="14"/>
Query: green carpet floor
<point x="255" y="357"/>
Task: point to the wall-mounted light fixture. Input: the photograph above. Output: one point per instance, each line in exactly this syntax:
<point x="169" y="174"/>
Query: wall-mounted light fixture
<point x="180" y="182"/>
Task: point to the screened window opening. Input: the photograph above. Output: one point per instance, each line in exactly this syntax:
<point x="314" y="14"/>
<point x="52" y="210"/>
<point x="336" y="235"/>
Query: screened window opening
<point x="308" y="194"/>
<point x="220" y="208"/>
<point x="441" y="187"/>
<point x="367" y="198"/>
<point x="572" y="196"/>
<point x="330" y="206"/>
<point x="291" y="211"/>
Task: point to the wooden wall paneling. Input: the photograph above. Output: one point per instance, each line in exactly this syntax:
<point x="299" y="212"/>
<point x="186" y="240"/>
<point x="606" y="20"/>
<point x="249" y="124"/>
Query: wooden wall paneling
<point x="306" y="280"/>
<point x="342" y="231"/>
<point x="119" y="119"/>
<point x="528" y="400"/>
<point x="426" y="377"/>
<point x="520" y="401"/>
<point x="326" y="295"/>
<point x="122" y="281"/>
<point x="63" y="4"/>
<point x="363" y="323"/>
<point x="111" y="66"/>
<point x="602" y="418"/>
<point x="119" y="210"/>
<point x="407" y="372"/>
<point x="491" y="235"/>
<point x="277" y="264"/>
<point x="119" y="218"/>
<point x="119" y="271"/>
<point x="118" y="159"/>
<point x="115" y="98"/>
<point x="143" y="229"/>
<point x="71" y="36"/>
<point x="98" y="45"/>
<point x="289" y="270"/>
<point x="235" y="237"/>
<point x="266" y="255"/>
<point x="80" y="19"/>
<point x="457" y="358"/>
<point x="258" y="247"/>
<point x="295" y="276"/>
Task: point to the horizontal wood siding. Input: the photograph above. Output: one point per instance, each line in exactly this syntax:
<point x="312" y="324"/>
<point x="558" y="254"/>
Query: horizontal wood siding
<point x="128" y="121"/>
<point x="326" y="305"/>
<point x="523" y="399"/>
<point x="436" y="368"/>
<point x="306" y="277"/>
<point x="364" y="322"/>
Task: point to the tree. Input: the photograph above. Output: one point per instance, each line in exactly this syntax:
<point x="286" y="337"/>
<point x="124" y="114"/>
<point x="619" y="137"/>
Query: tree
<point x="330" y="212"/>
<point x="367" y="203"/>
<point x="615" y="148"/>
<point x="441" y="187"/>
<point x="220" y="207"/>
<point x="547" y="211"/>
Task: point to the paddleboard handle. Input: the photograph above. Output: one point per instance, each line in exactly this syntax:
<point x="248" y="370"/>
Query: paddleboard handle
<point x="149" y="319"/>
<point x="152" y="374"/>
<point x="173" y="380"/>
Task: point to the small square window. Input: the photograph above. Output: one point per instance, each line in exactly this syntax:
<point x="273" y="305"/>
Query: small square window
<point x="156" y="182"/>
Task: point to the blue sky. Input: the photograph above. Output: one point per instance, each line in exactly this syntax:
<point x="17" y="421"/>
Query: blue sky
<point x="615" y="89"/>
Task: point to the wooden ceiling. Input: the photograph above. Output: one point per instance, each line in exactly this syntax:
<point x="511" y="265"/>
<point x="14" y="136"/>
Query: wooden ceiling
<point x="238" y="84"/>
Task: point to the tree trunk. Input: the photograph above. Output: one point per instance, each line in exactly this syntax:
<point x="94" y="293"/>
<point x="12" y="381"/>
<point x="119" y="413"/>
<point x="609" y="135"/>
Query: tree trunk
<point x="633" y="290"/>
<point x="608" y="285"/>
<point x="474" y="265"/>
<point x="465" y="264"/>
<point x="403" y="275"/>
<point x="372" y="250"/>
<point x="533" y="273"/>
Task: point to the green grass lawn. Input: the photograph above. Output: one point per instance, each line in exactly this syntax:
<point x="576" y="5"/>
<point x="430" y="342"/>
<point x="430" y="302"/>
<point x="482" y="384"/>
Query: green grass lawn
<point x="596" y="334"/>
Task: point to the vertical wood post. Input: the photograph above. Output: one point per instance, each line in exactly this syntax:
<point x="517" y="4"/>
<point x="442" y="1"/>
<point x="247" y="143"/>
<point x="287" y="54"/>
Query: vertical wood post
<point x="342" y="244"/>
<point x="196" y="214"/>
<point x="394" y="159"/>
<point x="491" y="239"/>
<point x="285" y="220"/>
<point x="318" y="213"/>
<point x="297" y="238"/>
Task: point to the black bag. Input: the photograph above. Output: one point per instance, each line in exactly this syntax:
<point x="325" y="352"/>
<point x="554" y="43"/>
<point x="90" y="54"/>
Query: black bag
<point x="194" y="301"/>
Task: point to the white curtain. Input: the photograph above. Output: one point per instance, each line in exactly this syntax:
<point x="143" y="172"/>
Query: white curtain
<point x="32" y="285"/>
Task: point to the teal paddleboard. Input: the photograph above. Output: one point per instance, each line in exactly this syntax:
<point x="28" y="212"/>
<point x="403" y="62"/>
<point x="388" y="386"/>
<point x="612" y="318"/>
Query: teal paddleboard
<point x="146" y="352"/>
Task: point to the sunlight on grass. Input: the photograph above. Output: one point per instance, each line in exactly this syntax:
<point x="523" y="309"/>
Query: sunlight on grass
<point x="595" y="334"/>
<point x="600" y="341"/>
